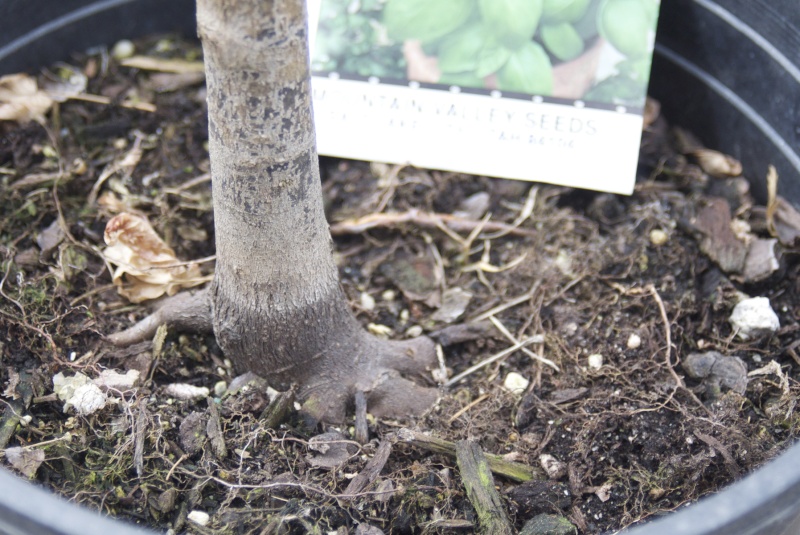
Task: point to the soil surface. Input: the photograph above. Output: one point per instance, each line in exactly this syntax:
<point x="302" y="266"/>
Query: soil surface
<point x="617" y="403"/>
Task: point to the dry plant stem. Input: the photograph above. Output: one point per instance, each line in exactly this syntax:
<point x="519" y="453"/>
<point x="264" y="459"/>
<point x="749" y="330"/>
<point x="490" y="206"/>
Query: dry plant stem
<point x="513" y="339"/>
<point x="668" y="352"/>
<point x="467" y="407"/>
<point x="370" y="472"/>
<point x="361" y="427"/>
<point x="8" y="423"/>
<point x="478" y="481"/>
<point x="505" y="306"/>
<point x="423" y="219"/>
<point x="494" y="358"/>
<point x="514" y="471"/>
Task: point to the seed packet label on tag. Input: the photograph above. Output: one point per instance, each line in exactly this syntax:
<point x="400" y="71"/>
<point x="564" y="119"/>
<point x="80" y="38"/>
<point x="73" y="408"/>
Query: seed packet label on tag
<point x="543" y="90"/>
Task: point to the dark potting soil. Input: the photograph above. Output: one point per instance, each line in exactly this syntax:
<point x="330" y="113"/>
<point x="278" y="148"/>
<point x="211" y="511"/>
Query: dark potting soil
<point x="623" y="300"/>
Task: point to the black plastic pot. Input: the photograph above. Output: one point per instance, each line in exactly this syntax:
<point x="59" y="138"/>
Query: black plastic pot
<point x="729" y="70"/>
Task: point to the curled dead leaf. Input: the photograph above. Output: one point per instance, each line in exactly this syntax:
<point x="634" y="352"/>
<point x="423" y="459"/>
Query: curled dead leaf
<point x="21" y="99"/>
<point x="717" y="164"/>
<point x="147" y="267"/>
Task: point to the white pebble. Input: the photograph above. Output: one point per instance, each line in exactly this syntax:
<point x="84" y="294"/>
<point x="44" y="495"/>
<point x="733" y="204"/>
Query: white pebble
<point x="123" y="49"/>
<point x="87" y="399"/>
<point x="515" y="383"/>
<point x="367" y="301"/>
<point x="220" y="387"/>
<point x="634" y="341"/>
<point x="187" y="392"/>
<point x="658" y="237"/>
<point x="595" y="361"/>
<point x="414" y="331"/>
<point x="199" y="517"/>
<point x="554" y="468"/>
<point x="754" y="317"/>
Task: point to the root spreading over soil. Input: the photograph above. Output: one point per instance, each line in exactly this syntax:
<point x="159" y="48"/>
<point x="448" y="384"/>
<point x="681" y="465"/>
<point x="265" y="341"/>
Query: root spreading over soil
<point x="593" y="415"/>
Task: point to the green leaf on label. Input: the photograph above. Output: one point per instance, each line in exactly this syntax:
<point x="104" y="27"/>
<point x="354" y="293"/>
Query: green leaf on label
<point x="562" y="40"/>
<point x="528" y="70"/>
<point x="626" y="24"/>
<point x="636" y="69"/>
<point x="459" y="51"/>
<point x="461" y="79"/>
<point x="425" y="20"/>
<point x="512" y="22"/>
<point x="564" y="10"/>
<point x="491" y="58"/>
<point x="619" y="89"/>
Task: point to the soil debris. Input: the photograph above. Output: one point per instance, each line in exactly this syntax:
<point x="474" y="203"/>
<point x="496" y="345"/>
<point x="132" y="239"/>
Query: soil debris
<point x="551" y="278"/>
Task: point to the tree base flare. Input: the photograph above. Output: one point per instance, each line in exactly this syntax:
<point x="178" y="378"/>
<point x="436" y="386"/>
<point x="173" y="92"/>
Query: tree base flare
<point x="386" y="372"/>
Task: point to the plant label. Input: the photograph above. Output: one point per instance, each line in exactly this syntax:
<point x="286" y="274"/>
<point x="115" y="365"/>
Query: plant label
<point x="542" y="90"/>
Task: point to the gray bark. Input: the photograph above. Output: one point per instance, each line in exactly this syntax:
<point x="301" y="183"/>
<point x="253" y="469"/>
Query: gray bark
<point x="278" y="308"/>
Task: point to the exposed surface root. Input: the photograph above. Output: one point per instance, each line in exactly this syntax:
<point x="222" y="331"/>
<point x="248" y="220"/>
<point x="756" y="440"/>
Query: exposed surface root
<point x="380" y="369"/>
<point x="383" y="370"/>
<point x="186" y="312"/>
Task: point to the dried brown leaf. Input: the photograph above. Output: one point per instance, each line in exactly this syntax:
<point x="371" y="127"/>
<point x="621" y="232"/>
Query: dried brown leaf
<point x="26" y="460"/>
<point x="21" y="99"/>
<point x="147" y="267"/>
<point x="717" y="164"/>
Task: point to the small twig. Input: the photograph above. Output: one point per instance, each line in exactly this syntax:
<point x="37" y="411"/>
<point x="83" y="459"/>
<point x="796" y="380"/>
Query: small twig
<point x="174" y="466"/>
<point x="196" y="181"/>
<point x="679" y="384"/>
<point x="3" y="293"/>
<point x="126" y="164"/>
<point x="423" y="219"/>
<point x="668" y="336"/>
<point x="515" y="471"/>
<point x="370" y="472"/>
<point x="513" y="339"/>
<point x="720" y="447"/>
<point x="98" y="99"/>
<point x="524" y="214"/>
<point x="494" y="358"/>
<point x="467" y="407"/>
<point x="361" y="428"/>
<point x="388" y="193"/>
<point x="505" y="306"/>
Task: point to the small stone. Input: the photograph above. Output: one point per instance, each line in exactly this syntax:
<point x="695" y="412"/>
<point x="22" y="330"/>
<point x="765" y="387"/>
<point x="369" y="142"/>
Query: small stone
<point x="595" y="361"/>
<point x="545" y="524"/>
<point x="515" y="383"/>
<point x="754" y="317"/>
<point x="389" y="295"/>
<point x="658" y="237"/>
<point x="87" y="399"/>
<point x="187" y="392"/>
<point x="379" y="330"/>
<point x="717" y="371"/>
<point x="367" y="301"/>
<point x="554" y="468"/>
<point x="113" y="380"/>
<point x="414" y="331"/>
<point x="454" y="302"/>
<point x="220" y="387"/>
<point x="199" y="517"/>
<point x="123" y="49"/>
<point x="634" y="341"/>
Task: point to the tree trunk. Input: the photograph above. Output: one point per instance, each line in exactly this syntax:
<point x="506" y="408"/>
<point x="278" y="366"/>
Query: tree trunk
<point x="278" y="308"/>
